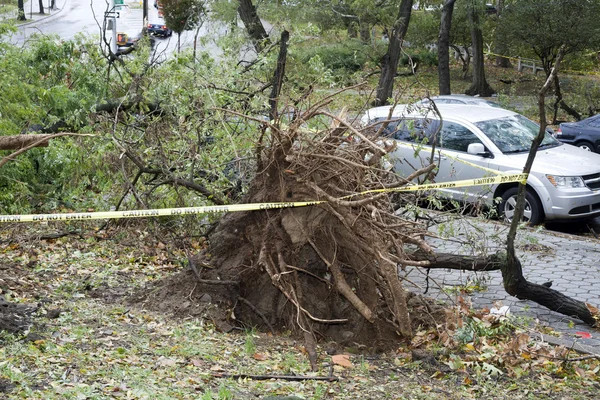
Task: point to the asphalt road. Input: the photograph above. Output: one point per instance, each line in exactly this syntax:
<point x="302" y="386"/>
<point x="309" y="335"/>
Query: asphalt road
<point x="87" y="17"/>
<point x="590" y="227"/>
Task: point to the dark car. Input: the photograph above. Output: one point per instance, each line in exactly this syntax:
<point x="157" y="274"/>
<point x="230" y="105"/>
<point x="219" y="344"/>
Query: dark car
<point x="584" y="134"/>
<point x="159" y="28"/>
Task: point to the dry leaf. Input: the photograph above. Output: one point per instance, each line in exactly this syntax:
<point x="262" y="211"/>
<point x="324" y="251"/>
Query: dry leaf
<point x="342" y="360"/>
<point x="583" y="335"/>
<point x="196" y="362"/>
<point x="593" y="310"/>
<point x="166" y="362"/>
<point x="259" y="356"/>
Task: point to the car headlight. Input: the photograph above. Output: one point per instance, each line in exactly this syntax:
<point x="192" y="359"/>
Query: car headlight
<point x="566" y="181"/>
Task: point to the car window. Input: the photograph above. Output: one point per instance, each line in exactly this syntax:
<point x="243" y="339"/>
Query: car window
<point x="420" y="130"/>
<point x="456" y="137"/>
<point x="594" y="121"/>
<point x="514" y="134"/>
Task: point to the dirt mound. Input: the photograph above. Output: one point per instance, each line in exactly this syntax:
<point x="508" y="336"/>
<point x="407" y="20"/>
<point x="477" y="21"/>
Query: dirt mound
<point x="15" y="318"/>
<point x="183" y="295"/>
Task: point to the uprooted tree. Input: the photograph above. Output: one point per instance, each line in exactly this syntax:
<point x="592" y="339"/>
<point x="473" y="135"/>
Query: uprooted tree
<point x="330" y="270"/>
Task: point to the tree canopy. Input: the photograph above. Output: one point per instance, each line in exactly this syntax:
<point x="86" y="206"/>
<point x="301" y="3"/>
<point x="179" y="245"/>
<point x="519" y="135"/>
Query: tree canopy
<point x="182" y="15"/>
<point x="543" y="26"/>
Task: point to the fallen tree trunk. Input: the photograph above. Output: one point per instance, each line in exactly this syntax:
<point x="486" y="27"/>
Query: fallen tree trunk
<point x="459" y="262"/>
<point x="37" y="140"/>
<point x="515" y="283"/>
<point x="21" y="141"/>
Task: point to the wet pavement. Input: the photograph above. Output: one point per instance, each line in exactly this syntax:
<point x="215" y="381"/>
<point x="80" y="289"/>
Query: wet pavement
<point x="570" y="262"/>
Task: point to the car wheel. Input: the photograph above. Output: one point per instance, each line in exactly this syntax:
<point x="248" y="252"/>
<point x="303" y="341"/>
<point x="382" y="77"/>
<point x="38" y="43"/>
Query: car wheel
<point x="586" y="146"/>
<point x="532" y="214"/>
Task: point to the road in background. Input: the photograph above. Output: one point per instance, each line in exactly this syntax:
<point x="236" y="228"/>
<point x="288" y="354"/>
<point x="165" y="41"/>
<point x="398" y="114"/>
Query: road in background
<point x="87" y="17"/>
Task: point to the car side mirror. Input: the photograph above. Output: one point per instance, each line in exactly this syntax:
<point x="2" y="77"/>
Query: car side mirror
<point x="479" y="150"/>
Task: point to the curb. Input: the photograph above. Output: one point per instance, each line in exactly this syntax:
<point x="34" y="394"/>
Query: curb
<point x="45" y="17"/>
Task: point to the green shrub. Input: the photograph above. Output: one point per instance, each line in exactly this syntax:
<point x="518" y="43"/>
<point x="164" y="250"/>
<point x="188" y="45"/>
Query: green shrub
<point x="422" y="57"/>
<point x="345" y="58"/>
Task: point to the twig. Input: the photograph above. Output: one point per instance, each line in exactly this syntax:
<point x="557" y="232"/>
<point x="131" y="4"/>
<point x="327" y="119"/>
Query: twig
<point x="208" y="281"/>
<point x="257" y="311"/>
<point x="282" y="377"/>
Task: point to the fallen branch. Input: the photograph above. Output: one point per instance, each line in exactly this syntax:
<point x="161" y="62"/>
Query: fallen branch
<point x="20" y="141"/>
<point x="281" y="377"/>
<point x="256" y="310"/>
<point x="40" y="142"/>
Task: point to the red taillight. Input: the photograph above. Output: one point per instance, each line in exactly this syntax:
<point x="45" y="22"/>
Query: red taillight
<point x="164" y="27"/>
<point x="149" y="25"/>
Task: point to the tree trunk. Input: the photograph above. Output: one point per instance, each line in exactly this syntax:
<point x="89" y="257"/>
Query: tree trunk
<point x="41" y="5"/>
<point x="389" y="62"/>
<point x="21" y="13"/>
<point x="21" y="141"/>
<point x="253" y="24"/>
<point x="515" y="283"/>
<point x="465" y="59"/>
<point x="501" y="47"/>
<point x="365" y="33"/>
<point x="444" y="47"/>
<point x="480" y="85"/>
<point x="559" y="102"/>
<point x="279" y="74"/>
<point x="352" y="31"/>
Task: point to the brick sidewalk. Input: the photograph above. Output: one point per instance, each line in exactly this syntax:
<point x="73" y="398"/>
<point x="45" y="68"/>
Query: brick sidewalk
<point x="570" y="262"/>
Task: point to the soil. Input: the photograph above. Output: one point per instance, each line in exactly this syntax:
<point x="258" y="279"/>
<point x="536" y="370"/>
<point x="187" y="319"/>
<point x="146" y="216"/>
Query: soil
<point x="182" y="296"/>
<point x="15" y="318"/>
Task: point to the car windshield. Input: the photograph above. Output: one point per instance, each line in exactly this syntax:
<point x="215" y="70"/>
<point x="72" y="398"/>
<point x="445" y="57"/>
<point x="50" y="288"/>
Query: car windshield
<point x="514" y="134"/>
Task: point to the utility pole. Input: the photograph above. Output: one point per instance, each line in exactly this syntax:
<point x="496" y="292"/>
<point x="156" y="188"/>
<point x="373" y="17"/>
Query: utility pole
<point x="145" y="16"/>
<point x="112" y="14"/>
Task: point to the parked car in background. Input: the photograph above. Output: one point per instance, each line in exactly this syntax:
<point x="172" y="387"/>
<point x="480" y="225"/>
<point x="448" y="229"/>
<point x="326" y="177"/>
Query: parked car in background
<point x="465" y="99"/>
<point x="584" y="134"/>
<point x="159" y="28"/>
<point x="458" y="99"/>
<point x="564" y="182"/>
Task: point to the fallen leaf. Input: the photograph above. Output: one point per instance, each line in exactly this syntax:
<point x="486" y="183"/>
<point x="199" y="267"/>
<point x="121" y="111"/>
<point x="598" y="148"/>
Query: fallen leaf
<point x="259" y="356"/>
<point x="166" y="362"/>
<point x="583" y="335"/>
<point x="196" y="362"/>
<point x="342" y="360"/>
<point x="580" y="372"/>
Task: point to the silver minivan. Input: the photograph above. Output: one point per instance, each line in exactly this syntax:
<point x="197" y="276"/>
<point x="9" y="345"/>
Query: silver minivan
<point x="564" y="182"/>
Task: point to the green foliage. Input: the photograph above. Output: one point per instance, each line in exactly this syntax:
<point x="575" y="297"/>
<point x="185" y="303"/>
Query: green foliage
<point x="342" y="58"/>
<point x="182" y="15"/>
<point x="421" y="57"/>
<point x="475" y="329"/>
<point x="49" y="84"/>
<point x="546" y="25"/>
<point x="424" y="28"/>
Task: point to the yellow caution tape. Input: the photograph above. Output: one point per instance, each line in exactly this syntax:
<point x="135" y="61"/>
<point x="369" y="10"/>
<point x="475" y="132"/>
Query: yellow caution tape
<point x="571" y="71"/>
<point x="489" y="53"/>
<point x="162" y="212"/>
<point x="505" y="178"/>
